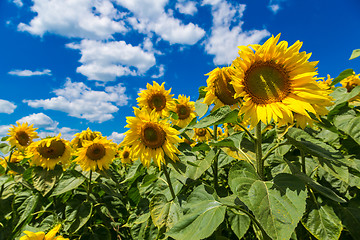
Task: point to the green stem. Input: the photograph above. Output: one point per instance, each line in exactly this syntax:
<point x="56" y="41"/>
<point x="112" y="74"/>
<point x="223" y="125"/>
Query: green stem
<point x="89" y="185"/>
<point x="169" y="182"/>
<point x="216" y="160"/>
<point x="303" y="168"/>
<point x="247" y="131"/>
<point x="258" y="151"/>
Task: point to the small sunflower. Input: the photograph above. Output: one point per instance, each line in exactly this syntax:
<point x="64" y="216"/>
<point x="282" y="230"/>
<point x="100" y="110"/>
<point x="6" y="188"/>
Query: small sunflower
<point x="325" y="84"/>
<point x="156" y="97"/>
<point x="97" y="154"/>
<point x="351" y="82"/>
<point x="185" y="109"/>
<point x="125" y="154"/>
<point x="49" y="152"/>
<point x="86" y="135"/>
<point x="277" y="82"/>
<point x="41" y="235"/>
<point x="219" y="89"/>
<point x="150" y="138"/>
<point x="22" y="135"/>
<point x="202" y="134"/>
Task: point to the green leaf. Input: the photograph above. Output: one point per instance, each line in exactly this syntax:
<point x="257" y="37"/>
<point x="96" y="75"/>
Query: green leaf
<point x="26" y="203"/>
<point x="342" y="75"/>
<point x="201" y="147"/>
<point x="233" y="141"/>
<point x="219" y="116"/>
<point x="97" y="233"/>
<point x="278" y="206"/>
<point x="350" y="217"/>
<point x="4" y="148"/>
<point x="44" y="180"/>
<point x="341" y="96"/>
<point x="164" y="213"/>
<point x="239" y="222"/>
<point x="4" y="138"/>
<point x="201" y="108"/>
<point x="203" y="218"/>
<point x="321" y="221"/>
<point x="136" y="169"/>
<point x="202" y="93"/>
<point x="67" y="183"/>
<point x="350" y="125"/>
<point x="355" y="53"/>
<point x="78" y="214"/>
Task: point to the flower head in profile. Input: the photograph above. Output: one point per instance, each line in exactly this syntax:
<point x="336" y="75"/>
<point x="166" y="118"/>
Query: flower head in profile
<point x="185" y="109"/>
<point x="155" y="97"/>
<point x="86" y="135"/>
<point x="202" y="134"/>
<point x="125" y="154"/>
<point x="22" y="135"/>
<point x="96" y="154"/>
<point x="49" y="152"/>
<point x="51" y="235"/>
<point x="151" y="138"/>
<point x="277" y="83"/>
<point x="219" y="89"/>
<point x="351" y="82"/>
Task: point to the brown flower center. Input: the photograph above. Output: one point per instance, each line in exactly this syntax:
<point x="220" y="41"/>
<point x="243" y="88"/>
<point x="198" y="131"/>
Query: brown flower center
<point x="126" y="154"/>
<point x="157" y="101"/>
<point x="23" y="138"/>
<point x="152" y="135"/>
<point x="96" y="151"/>
<point x="224" y="91"/>
<point x="182" y="111"/>
<point x="267" y="82"/>
<point x="54" y="151"/>
<point x="200" y="132"/>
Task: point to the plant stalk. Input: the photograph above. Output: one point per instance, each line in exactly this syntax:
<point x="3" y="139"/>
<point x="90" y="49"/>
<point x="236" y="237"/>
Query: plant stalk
<point x="258" y="151"/>
<point x="169" y="182"/>
<point x="89" y="185"/>
<point x="303" y="167"/>
<point x="216" y="160"/>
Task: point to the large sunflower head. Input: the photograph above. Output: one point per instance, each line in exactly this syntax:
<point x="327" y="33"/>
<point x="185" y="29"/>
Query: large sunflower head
<point x="155" y="97"/>
<point x="219" y="89"/>
<point x="22" y="135"/>
<point x="151" y="138"/>
<point x="278" y="83"/>
<point x="125" y="155"/>
<point x="49" y="152"/>
<point x="97" y="154"/>
<point x="42" y="236"/>
<point x="86" y="135"/>
<point x="185" y="109"/>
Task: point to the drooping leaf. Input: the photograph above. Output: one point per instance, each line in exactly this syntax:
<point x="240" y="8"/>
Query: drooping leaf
<point x="26" y="203"/>
<point x="67" y="183"/>
<point x="350" y="217"/>
<point x="320" y="220"/>
<point x="278" y="206"/>
<point x="78" y="214"/>
<point x="219" y="116"/>
<point x="239" y="222"/>
<point x="164" y="213"/>
<point x="44" y="180"/>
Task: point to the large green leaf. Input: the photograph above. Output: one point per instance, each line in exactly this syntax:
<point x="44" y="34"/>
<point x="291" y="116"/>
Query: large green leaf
<point x="219" y="116"/>
<point x="349" y="124"/>
<point x="342" y="96"/>
<point x="44" y="180"/>
<point x="25" y="204"/>
<point x="278" y="206"/>
<point x="201" y="108"/>
<point x="164" y="213"/>
<point x="68" y="182"/>
<point x="350" y="217"/>
<point x="321" y="221"/>
<point x="204" y="216"/>
<point x="78" y="214"/>
<point x="239" y="222"/>
<point x="342" y="75"/>
<point x="4" y="148"/>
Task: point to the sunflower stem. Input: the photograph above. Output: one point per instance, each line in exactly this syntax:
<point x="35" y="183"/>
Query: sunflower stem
<point x="89" y="185"/>
<point x="216" y="160"/>
<point x="303" y="167"/>
<point x="258" y="151"/>
<point x="169" y="182"/>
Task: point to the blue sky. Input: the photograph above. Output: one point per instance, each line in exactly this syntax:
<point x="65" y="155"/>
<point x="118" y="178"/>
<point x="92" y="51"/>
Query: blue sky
<point x="67" y="65"/>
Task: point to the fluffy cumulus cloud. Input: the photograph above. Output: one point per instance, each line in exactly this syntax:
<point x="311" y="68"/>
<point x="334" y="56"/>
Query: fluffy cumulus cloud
<point x="104" y="61"/>
<point x="29" y="73"/>
<point x="150" y="17"/>
<point x="117" y="137"/>
<point x="186" y="7"/>
<point x="6" y="106"/>
<point x="227" y="33"/>
<point x="78" y="100"/>
<point x="81" y="18"/>
<point x="4" y="130"/>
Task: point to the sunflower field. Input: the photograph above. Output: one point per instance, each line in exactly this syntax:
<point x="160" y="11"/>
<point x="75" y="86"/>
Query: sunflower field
<point x="268" y="151"/>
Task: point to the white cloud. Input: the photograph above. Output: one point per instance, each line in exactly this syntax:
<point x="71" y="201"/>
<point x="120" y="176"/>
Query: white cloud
<point x="104" y="61"/>
<point x="161" y="72"/>
<point x="227" y="33"/>
<point x="81" y="18"/>
<point x="29" y="73"/>
<point x="150" y="16"/>
<point x="186" y="7"/>
<point x="274" y="8"/>
<point x="6" y="106"/>
<point x="18" y="3"/>
<point x="117" y="137"/>
<point x="80" y="101"/>
<point x="4" y="130"/>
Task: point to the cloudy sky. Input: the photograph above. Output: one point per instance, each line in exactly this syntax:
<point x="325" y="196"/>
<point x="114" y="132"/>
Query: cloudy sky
<point x="67" y="65"/>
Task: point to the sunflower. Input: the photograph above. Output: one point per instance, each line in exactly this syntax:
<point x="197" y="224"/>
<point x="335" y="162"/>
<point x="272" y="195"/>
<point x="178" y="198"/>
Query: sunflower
<point x="185" y="109"/>
<point x="87" y="135"/>
<point x="125" y="154"/>
<point x="41" y="235"/>
<point x="219" y="89"/>
<point x="202" y="134"/>
<point x="16" y="157"/>
<point x="325" y="84"/>
<point x="277" y="83"/>
<point x="351" y="82"/>
<point x="97" y="154"/>
<point x="156" y="97"/>
<point x="22" y="135"/>
<point x="49" y="152"/>
<point x="150" y="138"/>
